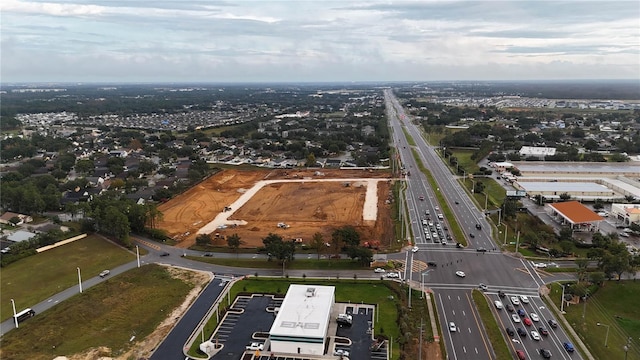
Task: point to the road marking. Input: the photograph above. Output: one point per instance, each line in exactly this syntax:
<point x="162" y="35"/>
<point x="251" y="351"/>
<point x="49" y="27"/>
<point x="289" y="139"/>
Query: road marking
<point x="482" y="335"/>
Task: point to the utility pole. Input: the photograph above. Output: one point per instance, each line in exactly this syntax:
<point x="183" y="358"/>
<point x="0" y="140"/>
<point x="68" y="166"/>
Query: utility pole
<point x="562" y="300"/>
<point x="584" y="306"/>
<point x="420" y="342"/>
<point x="517" y="241"/>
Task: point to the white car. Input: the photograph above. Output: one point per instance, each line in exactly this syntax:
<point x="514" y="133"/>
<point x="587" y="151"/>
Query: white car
<point x="535" y="336"/>
<point x="104" y="273"/>
<point x="379" y="270"/>
<point x="341" y="352"/>
<point x="453" y="327"/>
<point x="515" y="317"/>
<point x="540" y="265"/>
<point x="393" y="275"/>
<point x="524" y="299"/>
<point x="515" y="301"/>
<point x="534" y="317"/>
<point x="415" y="249"/>
<point x="498" y="304"/>
<point x="255" y="346"/>
<point x="461" y="273"/>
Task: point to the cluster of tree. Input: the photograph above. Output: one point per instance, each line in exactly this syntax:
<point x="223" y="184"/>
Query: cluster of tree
<point x="27" y="248"/>
<point x="30" y="195"/>
<point x="612" y="255"/>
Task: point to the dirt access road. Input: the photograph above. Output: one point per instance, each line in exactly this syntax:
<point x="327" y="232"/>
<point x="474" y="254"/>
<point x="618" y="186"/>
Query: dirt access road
<point x="309" y="202"/>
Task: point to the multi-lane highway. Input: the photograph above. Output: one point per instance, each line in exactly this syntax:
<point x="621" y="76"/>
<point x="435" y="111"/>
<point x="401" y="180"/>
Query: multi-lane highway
<point x="500" y="272"/>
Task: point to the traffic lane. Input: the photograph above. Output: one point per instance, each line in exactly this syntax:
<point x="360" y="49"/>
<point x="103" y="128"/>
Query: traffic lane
<point x="469" y="340"/>
<point x="172" y="346"/>
<point x="553" y="342"/>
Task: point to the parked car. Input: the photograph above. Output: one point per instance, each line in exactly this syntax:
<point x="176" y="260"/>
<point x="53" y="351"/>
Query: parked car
<point x="552" y="323"/>
<point x="568" y="346"/>
<point x="545" y="353"/>
<point x="255" y="346"/>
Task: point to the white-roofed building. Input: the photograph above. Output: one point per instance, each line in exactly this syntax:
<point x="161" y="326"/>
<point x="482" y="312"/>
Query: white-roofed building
<point x="628" y="213"/>
<point x="537" y="151"/>
<point x="303" y="320"/>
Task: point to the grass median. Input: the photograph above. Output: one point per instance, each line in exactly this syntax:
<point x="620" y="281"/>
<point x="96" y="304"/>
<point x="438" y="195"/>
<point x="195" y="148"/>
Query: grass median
<point x="491" y="327"/>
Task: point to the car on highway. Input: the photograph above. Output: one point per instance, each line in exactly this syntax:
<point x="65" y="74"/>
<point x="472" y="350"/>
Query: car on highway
<point x="545" y="353"/>
<point x="522" y="332"/>
<point x="540" y="265"/>
<point x="341" y="352"/>
<point x="552" y="323"/>
<point x="534" y="317"/>
<point x="515" y="301"/>
<point x="527" y="321"/>
<point x="393" y="275"/>
<point x="453" y="327"/>
<point x="164" y="254"/>
<point x="207" y="254"/>
<point x="515" y="318"/>
<point x="481" y="249"/>
<point x="458" y="245"/>
<point x="443" y="242"/>
<point x="421" y="198"/>
<point x="461" y="273"/>
<point x="510" y="308"/>
<point x="471" y="235"/>
<point x="478" y="226"/>
<point x="501" y="294"/>
<point x="524" y="299"/>
<point x="255" y="346"/>
<point x="415" y="249"/>
<point x="509" y="331"/>
<point x="432" y="263"/>
<point x="498" y="304"/>
<point x="543" y="331"/>
<point x="535" y="336"/>
<point x="520" y="355"/>
<point x="483" y="287"/>
<point x="104" y="273"/>
<point x="521" y="312"/>
<point x="379" y="270"/>
<point x="568" y="346"/>
<point x="457" y="203"/>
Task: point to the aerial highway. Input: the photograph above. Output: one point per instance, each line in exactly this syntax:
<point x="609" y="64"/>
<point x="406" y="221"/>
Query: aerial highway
<point x="456" y="271"/>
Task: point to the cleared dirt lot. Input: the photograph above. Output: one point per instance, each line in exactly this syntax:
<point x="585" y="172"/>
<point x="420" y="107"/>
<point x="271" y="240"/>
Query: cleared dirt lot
<point x="308" y="207"/>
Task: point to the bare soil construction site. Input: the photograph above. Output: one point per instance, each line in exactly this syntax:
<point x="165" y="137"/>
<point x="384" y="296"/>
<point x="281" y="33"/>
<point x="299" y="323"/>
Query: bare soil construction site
<point x="251" y="203"/>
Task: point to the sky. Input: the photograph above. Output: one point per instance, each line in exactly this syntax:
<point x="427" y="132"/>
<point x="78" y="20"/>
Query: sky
<point x="119" y="41"/>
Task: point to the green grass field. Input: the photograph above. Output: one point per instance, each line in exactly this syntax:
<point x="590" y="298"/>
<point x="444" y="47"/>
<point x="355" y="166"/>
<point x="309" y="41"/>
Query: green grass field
<point x="34" y="279"/>
<point x="100" y="316"/>
<point x="615" y="305"/>
<point x="298" y="264"/>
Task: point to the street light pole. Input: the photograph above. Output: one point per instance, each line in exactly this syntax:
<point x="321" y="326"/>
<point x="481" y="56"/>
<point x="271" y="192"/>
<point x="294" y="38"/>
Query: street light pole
<point x="409" y="265"/>
<point x="606" y="337"/>
<point x="15" y="319"/>
<point x="486" y="199"/>
<point x="562" y="300"/>
<point x="627" y="347"/>
<point x="79" y="280"/>
<point x="138" y="255"/>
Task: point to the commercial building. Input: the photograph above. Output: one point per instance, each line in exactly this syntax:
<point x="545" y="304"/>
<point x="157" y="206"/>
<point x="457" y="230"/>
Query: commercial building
<point x="303" y="320"/>
<point x="537" y="151"/>
<point x="627" y="213"/>
<point x="577" y="216"/>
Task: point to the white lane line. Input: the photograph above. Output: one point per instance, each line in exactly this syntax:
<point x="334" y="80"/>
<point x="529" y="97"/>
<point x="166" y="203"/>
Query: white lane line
<point x="447" y="322"/>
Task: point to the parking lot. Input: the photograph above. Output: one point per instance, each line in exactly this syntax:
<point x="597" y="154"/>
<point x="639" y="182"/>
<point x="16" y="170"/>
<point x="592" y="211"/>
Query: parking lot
<point x="249" y="319"/>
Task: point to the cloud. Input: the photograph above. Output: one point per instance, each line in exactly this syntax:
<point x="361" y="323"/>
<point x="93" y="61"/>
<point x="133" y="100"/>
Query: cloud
<point x="120" y="40"/>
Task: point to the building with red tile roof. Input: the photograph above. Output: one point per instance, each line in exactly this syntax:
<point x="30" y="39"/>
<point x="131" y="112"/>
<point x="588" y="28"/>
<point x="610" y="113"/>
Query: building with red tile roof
<point x="576" y="215"/>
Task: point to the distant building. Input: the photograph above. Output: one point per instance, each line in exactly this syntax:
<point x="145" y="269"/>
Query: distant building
<point x="627" y="213"/>
<point x="20" y="235"/>
<point x="7" y="216"/>
<point x="536" y="151"/>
